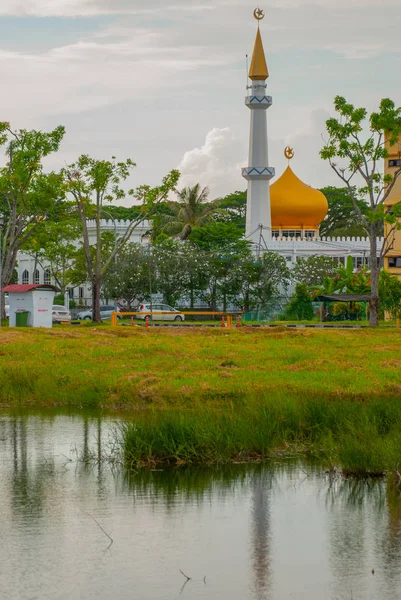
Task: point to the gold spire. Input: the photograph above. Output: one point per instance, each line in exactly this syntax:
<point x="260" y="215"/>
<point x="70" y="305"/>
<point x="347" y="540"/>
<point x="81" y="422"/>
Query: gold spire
<point x="258" y="70"/>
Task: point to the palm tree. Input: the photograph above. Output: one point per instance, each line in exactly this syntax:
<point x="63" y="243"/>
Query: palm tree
<point x="191" y="210"/>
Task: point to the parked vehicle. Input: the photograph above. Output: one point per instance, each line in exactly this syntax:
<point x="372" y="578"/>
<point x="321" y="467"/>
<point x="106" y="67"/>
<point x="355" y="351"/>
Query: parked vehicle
<point x="157" y="310"/>
<point x="60" y="314"/>
<point x="105" y="313"/>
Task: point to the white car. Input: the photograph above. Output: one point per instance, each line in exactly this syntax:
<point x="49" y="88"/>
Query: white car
<point x="105" y="313"/>
<point x="157" y="310"/>
<point x="60" y="314"/>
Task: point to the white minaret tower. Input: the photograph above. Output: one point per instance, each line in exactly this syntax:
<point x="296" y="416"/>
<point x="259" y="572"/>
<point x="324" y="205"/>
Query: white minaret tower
<point x="258" y="173"/>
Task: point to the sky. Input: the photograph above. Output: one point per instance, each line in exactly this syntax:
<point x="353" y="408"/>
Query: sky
<point x="163" y="81"/>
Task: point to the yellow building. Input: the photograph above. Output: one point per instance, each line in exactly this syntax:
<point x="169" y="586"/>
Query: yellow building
<point x="392" y="260"/>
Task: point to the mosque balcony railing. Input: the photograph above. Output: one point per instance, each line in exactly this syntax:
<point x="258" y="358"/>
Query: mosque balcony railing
<point x="253" y="101"/>
<point x="278" y="243"/>
<point x="258" y="173"/>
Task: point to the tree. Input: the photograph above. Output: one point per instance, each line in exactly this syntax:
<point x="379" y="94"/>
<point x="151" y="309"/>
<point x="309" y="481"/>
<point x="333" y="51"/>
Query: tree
<point x="314" y="269"/>
<point x="215" y="236"/>
<point x="171" y="273"/>
<point x="222" y="253"/>
<point x="341" y="219"/>
<point x="234" y="209"/>
<point x="300" y="305"/>
<point x="28" y="195"/>
<point x="54" y="247"/>
<point x="361" y="157"/>
<point x="349" y="281"/>
<point x="390" y="294"/>
<point x="130" y="278"/>
<point x="346" y="280"/>
<point x="94" y="184"/>
<point x="260" y="281"/>
<point x="191" y="210"/>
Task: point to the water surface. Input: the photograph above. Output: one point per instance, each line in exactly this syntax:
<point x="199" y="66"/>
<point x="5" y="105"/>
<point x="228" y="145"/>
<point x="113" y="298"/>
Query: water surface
<point x="73" y="526"/>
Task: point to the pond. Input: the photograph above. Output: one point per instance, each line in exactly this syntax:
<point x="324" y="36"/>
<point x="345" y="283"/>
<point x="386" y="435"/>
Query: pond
<point x="75" y="526"/>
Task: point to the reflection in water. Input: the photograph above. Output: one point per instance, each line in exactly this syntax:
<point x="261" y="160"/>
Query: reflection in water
<point x="29" y="485"/>
<point x="310" y="537"/>
<point x="260" y="534"/>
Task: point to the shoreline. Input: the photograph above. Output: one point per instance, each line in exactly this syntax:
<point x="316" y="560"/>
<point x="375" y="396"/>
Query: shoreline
<point x="212" y="396"/>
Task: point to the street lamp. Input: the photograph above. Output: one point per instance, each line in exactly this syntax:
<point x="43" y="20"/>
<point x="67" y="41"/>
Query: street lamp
<point x="1" y="270"/>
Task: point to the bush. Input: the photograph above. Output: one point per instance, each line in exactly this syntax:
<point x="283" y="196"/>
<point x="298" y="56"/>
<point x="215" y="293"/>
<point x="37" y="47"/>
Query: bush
<point x="59" y="301"/>
<point x="300" y="306"/>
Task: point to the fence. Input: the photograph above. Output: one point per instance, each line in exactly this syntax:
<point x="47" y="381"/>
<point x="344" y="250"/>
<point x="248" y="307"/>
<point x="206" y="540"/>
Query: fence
<point x="224" y="315"/>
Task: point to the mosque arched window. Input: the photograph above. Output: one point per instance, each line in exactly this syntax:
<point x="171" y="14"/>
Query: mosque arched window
<point x="47" y="277"/>
<point x="36" y="276"/>
<point x="25" y="277"/>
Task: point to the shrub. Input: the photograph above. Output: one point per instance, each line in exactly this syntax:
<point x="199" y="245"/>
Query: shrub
<point x="300" y="306"/>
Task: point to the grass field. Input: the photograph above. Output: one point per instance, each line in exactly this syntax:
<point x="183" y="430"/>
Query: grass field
<point x="206" y="395"/>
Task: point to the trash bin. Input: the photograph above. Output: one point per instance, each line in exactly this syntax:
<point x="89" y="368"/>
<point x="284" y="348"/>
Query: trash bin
<point x="21" y="318"/>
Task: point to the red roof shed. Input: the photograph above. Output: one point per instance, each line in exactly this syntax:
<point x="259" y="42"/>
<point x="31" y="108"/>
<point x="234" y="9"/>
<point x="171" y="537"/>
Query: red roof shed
<point x="28" y="287"/>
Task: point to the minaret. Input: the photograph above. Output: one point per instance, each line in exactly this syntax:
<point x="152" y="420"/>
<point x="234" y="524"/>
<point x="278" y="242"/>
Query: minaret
<point x="258" y="173"/>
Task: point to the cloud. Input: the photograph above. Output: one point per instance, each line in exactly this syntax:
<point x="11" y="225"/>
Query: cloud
<point x="216" y="164"/>
<point x="149" y="79"/>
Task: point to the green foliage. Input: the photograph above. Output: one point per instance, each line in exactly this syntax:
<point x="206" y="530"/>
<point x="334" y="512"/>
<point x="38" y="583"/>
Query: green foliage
<point x="300" y="306"/>
<point x="130" y="278"/>
<point x="216" y="236"/>
<point x="347" y="311"/>
<point x="341" y="219"/>
<point x="358" y="438"/>
<point x="59" y="300"/>
<point x="92" y="184"/>
<point x="169" y="260"/>
<point x="54" y="246"/>
<point x="346" y="280"/>
<point x="124" y="213"/>
<point x="357" y="155"/>
<point x="28" y="195"/>
<point x="191" y="210"/>
<point x="259" y="282"/>
<point x="390" y="294"/>
<point x="234" y="209"/>
<point x="349" y="281"/>
<point x="314" y="269"/>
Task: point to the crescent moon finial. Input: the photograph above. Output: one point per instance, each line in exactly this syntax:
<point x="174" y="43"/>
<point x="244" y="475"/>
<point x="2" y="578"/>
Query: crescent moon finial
<point x="289" y="153"/>
<point x="258" y="14"/>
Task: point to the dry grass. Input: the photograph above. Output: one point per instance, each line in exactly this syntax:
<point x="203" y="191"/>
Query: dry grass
<point x="126" y="368"/>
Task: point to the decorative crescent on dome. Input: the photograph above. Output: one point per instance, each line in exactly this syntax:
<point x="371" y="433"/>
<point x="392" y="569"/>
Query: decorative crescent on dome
<point x="289" y="153"/>
<point x="258" y="14"/>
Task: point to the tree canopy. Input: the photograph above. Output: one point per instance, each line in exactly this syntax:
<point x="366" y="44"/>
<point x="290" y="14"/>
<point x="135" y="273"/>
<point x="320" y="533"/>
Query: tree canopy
<point x="341" y="219"/>
<point x="356" y="146"/>
<point x="29" y="195"/>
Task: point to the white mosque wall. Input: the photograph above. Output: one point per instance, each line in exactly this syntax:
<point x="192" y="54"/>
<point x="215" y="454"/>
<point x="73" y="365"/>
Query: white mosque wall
<point x="325" y="246"/>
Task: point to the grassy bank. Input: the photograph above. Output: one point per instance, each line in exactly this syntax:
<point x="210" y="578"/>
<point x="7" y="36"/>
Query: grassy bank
<point x="208" y="395"/>
<point x="356" y="437"/>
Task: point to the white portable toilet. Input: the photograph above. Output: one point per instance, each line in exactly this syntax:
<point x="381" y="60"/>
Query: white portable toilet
<point x="36" y="299"/>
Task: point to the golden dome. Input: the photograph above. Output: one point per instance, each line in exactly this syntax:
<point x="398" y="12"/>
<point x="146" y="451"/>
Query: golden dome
<point x="295" y="205"/>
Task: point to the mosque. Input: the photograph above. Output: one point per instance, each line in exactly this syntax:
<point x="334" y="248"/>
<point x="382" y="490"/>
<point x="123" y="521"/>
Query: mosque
<point x="283" y="217"/>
